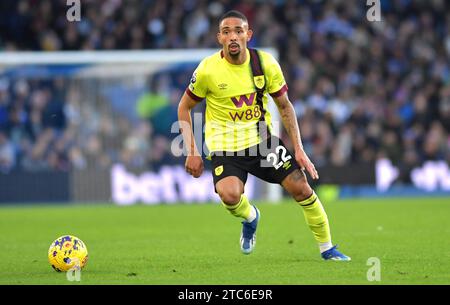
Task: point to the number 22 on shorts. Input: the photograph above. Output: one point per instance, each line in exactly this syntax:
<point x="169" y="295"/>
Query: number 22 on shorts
<point x="273" y="158"/>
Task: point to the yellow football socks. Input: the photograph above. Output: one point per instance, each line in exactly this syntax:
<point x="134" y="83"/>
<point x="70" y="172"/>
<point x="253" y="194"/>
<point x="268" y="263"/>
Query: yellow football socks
<point x="317" y="220"/>
<point x="242" y="209"/>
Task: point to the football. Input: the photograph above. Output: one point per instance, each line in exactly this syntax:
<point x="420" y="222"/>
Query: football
<point x="67" y="253"/>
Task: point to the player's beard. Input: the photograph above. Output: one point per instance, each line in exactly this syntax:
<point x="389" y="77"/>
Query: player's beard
<point x="235" y="55"/>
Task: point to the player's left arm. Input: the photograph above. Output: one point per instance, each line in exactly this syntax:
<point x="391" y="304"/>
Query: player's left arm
<point x="289" y="119"/>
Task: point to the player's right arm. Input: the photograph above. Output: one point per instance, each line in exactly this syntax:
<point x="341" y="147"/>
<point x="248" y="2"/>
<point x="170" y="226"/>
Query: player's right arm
<point x="194" y="162"/>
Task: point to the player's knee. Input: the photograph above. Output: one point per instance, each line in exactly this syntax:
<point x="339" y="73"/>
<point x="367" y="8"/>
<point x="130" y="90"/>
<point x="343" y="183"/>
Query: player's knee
<point x="230" y="196"/>
<point x="302" y="191"/>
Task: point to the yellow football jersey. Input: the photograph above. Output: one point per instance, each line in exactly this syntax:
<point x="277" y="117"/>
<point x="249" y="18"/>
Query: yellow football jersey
<point x="232" y="112"/>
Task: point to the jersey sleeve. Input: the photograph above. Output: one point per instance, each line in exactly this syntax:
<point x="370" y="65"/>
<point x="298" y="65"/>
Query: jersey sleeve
<point x="198" y="86"/>
<point x="276" y="84"/>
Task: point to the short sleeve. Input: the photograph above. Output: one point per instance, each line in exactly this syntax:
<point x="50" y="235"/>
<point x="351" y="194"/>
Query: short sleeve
<point x="276" y="84"/>
<point x="198" y="86"/>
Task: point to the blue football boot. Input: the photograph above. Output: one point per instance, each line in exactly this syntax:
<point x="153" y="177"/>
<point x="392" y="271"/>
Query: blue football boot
<point x="334" y="255"/>
<point x="248" y="235"/>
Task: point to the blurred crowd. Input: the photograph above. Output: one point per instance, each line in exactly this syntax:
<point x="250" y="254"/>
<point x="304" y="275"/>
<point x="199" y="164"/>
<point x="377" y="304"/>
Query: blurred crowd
<point x="362" y="90"/>
<point x="49" y="125"/>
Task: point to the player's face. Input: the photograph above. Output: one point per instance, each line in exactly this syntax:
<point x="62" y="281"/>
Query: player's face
<point x="233" y="35"/>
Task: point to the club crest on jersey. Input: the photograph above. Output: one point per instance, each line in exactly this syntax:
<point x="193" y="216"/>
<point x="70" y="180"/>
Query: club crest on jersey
<point x="218" y="170"/>
<point x="259" y="81"/>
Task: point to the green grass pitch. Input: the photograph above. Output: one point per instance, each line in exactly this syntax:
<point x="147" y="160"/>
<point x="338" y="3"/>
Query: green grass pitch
<point x="199" y="243"/>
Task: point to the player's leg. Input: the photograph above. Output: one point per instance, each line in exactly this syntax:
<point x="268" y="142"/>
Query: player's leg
<point x="278" y="166"/>
<point x="229" y="180"/>
<point x="231" y="192"/>
<point x="298" y="187"/>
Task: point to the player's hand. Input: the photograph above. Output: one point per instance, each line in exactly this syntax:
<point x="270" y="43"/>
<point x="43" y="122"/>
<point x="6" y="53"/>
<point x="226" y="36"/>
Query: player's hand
<point x="194" y="166"/>
<point x="304" y="163"/>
